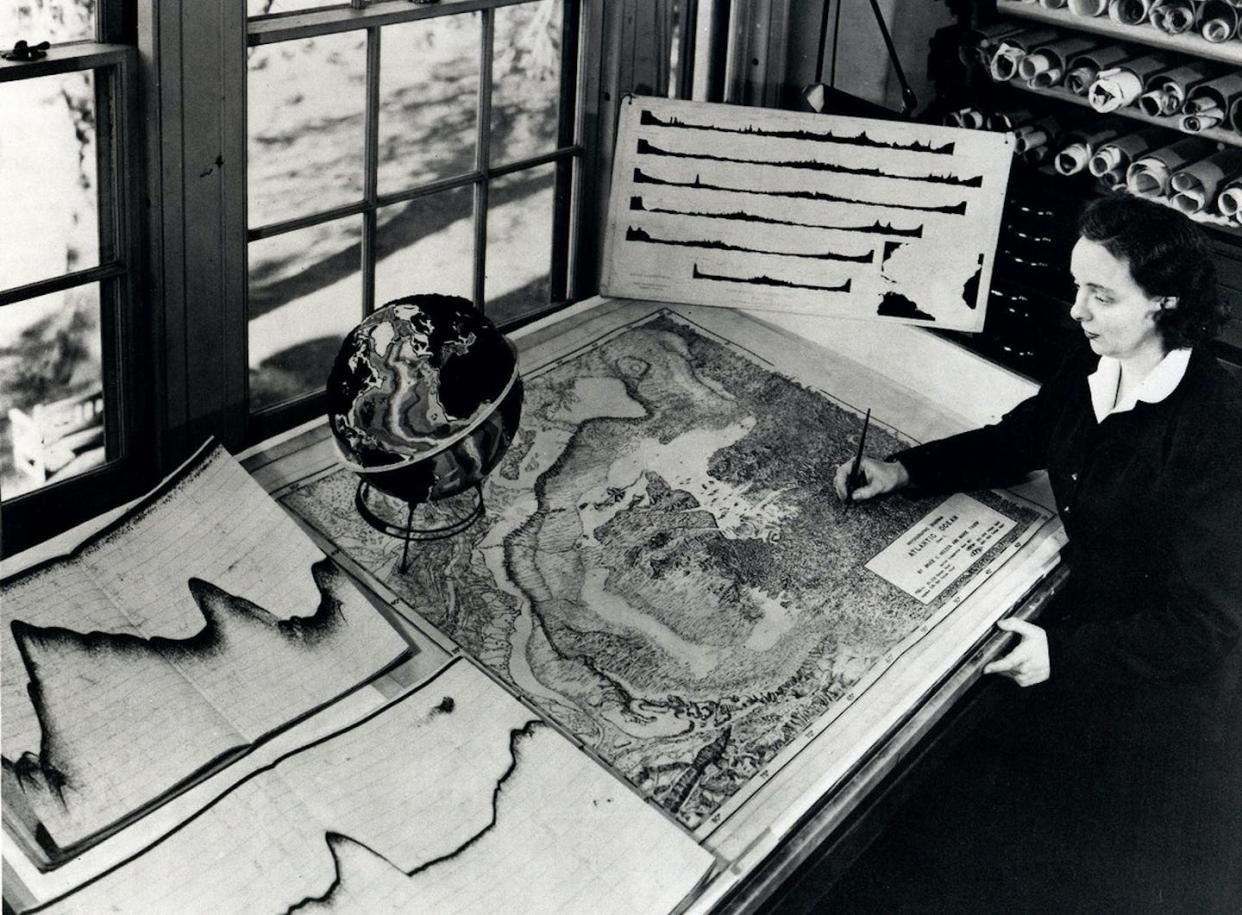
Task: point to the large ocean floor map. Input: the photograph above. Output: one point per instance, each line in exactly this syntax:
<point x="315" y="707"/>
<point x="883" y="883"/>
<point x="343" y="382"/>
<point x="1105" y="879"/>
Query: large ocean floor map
<point x="663" y="567"/>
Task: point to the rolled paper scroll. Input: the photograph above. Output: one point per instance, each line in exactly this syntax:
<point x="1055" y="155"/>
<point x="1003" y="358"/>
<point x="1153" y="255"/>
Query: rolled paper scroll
<point x="1073" y="158"/>
<point x="1088" y="7"/>
<point x="1129" y="12"/>
<point x="1229" y="200"/>
<point x="1116" y="155"/>
<point x="1201" y="120"/>
<point x="1114" y="178"/>
<point x="1235" y="115"/>
<point x="1044" y="66"/>
<point x="1210" y="103"/>
<point x="1173" y="17"/>
<point x="1151" y="175"/>
<point x="1218" y="21"/>
<point x="1167" y="92"/>
<point x="983" y="42"/>
<point x="1084" y="68"/>
<point x="1009" y="52"/>
<point x="1036" y="155"/>
<point x="970" y="118"/>
<point x="1009" y="120"/>
<point x="1196" y="185"/>
<point x="1033" y="136"/>
<point x="1052" y="4"/>
<point x="1120" y="86"/>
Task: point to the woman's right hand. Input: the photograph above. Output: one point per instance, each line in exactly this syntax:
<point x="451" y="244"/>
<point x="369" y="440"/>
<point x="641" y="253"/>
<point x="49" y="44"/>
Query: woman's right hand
<point x="879" y="477"/>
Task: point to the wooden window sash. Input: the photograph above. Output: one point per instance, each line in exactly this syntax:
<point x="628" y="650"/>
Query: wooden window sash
<point x="35" y="515"/>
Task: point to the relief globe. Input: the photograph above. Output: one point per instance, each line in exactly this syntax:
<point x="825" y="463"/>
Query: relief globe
<point x="424" y="398"/>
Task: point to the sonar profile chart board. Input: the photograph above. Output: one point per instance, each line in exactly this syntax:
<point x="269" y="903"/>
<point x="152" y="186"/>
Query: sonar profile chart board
<point x="794" y="212"/>
<point x="166" y="645"/>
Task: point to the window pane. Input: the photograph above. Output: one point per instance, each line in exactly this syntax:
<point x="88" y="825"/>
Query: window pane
<point x="305" y="121"/>
<point x="51" y="389"/>
<point x="526" y="80"/>
<point x="429" y="85"/>
<point x="305" y="295"/>
<point x="519" y="243"/>
<point x="426" y="245"/>
<point x="56" y="21"/>
<point x="271" y="7"/>
<point x="48" y="178"/>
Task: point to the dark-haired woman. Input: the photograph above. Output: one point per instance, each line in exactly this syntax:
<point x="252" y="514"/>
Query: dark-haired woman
<point x="1134" y="717"/>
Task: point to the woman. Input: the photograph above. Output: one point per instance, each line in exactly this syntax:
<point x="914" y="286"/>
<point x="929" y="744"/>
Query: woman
<point x="1136" y="667"/>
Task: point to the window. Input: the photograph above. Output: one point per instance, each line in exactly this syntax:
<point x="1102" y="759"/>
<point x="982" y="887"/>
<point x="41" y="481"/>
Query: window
<point x="394" y="150"/>
<point x="69" y="412"/>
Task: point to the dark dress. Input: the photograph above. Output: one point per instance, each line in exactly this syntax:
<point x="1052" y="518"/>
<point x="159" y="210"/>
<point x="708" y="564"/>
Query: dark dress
<point x="1134" y="739"/>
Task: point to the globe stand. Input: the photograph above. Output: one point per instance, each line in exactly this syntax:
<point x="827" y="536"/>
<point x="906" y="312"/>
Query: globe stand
<point x="406" y="530"/>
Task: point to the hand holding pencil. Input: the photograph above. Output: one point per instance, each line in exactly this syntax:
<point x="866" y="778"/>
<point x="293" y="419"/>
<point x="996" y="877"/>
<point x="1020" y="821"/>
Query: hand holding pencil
<point x="863" y="478"/>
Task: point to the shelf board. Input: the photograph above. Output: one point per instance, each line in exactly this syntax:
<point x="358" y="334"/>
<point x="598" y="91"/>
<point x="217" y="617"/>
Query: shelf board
<point x="1187" y="43"/>
<point x="1215" y="135"/>
<point x="1209" y="220"/>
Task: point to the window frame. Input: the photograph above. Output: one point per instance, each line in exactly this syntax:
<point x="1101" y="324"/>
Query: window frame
<point x="126" y="355"/>
<point x="568" y="157"/>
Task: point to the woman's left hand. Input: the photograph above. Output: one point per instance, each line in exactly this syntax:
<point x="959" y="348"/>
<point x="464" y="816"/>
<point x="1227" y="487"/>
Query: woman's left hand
<point x="1027" y="663"/>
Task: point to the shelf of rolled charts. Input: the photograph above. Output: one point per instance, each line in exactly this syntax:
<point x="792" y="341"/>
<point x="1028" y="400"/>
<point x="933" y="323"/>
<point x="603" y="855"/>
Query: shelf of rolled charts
<point x="1224" y="136"/>
<point x="1189" y="42"/>
<point x="1223" y="224"/>
<point x="1226" y="225"/>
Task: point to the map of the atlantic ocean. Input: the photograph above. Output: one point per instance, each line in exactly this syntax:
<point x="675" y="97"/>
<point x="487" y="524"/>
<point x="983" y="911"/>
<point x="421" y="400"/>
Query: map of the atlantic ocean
<point x="663" y="568"/>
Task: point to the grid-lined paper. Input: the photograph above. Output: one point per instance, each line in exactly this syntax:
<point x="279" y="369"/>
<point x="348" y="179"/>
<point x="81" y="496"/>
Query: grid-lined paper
<point x="197" y="624"/>
<point x="452" y="798"/>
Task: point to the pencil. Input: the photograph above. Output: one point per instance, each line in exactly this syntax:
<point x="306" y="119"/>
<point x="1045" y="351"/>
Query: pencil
<point x="855" y="477"/>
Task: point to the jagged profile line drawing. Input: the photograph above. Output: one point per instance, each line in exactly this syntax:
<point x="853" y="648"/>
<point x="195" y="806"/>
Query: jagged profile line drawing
<point x="895" y="305"/>
<point x="335" y="841"/>
<point x="954" y="209"/>
<point x="52" y="771"/>
<point x="647" y="148"/>
<point x="642" y="235"/>
<point x="637" y="204"/>
<point x="764" y="280"/>
<point x="650" y="119"/>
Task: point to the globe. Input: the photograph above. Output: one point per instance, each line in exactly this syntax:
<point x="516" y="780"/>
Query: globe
<point x="424" y="397"/>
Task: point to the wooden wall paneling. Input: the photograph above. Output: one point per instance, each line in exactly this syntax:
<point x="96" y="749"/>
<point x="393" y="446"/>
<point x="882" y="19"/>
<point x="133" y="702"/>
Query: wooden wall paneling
<point x="809" y="32"/>
<point x="647" y="38"/>
<point x="596" y="89"/>
<point x="232" y="184"/>
<point x="561" y="257"/>
<point x="711" y="46"/>
<point x="616" y="30"/>
<point x="159" y="41"/>
<point x="193" y="63"/>
<point x="759" y="34"/>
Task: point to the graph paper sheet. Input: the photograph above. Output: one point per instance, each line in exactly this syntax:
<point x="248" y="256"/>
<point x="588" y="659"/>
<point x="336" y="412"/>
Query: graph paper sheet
<point x="452" y="798"/>
<point x="786" y="211"/>
<point x="171" y="642"/>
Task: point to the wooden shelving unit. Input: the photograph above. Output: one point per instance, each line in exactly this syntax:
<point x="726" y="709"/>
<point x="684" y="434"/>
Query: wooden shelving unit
<point x="1033" y="332"/>
<point x="1189" y="43"/>
<point x="1215" y="135"/>
<point x="1221" y="137"/>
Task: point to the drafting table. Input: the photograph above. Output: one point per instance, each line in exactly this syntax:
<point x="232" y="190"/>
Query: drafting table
<point x="827" y="831"/>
